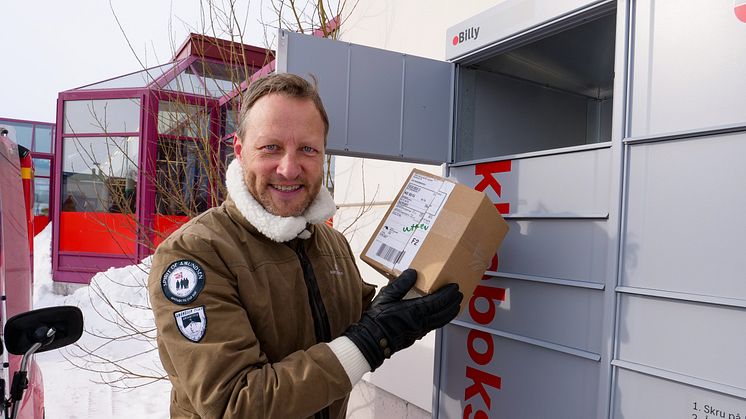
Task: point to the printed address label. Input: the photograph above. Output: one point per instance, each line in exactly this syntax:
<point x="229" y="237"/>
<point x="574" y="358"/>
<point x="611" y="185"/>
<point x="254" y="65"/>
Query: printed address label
<point x="409" y="222"/>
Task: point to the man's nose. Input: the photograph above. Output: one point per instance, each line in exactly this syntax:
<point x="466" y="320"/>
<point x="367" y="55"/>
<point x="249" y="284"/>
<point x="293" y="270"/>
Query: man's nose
<point x="289" y="166"/>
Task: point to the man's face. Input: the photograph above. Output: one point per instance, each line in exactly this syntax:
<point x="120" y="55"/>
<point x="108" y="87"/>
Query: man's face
<point x="283" y="153"/>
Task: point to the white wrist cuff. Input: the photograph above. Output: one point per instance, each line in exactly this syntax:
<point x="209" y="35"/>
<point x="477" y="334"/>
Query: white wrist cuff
<point x="350" y="357"/>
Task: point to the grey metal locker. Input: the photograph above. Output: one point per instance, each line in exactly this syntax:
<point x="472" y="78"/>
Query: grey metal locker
<point x="380" y="104"/>
<point x="688" y="68"/>
<point x="682" y="303"/>
<point x="609" y="134"/>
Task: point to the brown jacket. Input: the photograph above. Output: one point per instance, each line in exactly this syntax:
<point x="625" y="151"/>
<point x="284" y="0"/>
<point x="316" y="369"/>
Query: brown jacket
<point x="259" y="356"/>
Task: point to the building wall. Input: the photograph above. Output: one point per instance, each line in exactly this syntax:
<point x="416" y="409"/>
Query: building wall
<point x="364" y="187"/>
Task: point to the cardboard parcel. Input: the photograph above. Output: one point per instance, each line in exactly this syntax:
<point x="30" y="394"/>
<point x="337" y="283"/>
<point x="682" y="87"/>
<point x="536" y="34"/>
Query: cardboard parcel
<point x="446" y="231"/>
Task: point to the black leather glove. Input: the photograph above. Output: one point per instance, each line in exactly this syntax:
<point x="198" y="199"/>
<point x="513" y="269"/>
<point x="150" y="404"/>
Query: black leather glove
<point x="392" y="324"/>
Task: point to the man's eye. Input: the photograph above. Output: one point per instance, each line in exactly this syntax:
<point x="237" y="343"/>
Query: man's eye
<point x="270" y="147"/>
<point x="309" y="150"/>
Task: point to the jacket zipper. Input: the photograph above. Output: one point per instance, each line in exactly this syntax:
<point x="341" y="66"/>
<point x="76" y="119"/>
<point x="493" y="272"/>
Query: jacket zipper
<point x="320" y="317"/>
<point x="321" y="325"/>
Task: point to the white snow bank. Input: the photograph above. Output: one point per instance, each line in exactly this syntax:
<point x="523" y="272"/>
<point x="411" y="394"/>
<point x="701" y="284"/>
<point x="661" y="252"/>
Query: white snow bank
<point x="118" y="343"/>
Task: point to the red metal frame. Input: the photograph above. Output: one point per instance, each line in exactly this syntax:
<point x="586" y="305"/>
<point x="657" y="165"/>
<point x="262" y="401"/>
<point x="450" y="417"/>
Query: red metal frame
<point x="79" y="266"/>
<point x="16" y="263"/>
<point x="40" y="221"/>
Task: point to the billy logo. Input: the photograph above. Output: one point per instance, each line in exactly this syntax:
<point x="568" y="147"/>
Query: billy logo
<point x="465" y="35"/>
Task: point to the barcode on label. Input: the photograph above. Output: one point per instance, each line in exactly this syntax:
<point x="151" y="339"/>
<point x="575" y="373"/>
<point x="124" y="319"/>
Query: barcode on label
<point x="389" y="253"/>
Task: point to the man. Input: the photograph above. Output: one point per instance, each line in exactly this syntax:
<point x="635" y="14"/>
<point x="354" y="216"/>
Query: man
<point x="260" y="308"/>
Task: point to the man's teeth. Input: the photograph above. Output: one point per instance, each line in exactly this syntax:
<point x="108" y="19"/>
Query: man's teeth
<point x="285" y="188"/>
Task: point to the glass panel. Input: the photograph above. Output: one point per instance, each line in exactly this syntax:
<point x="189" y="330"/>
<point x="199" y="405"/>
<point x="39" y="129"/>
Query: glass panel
<point x="41" y="167"/>
<point x="139" y="79"/>
<point x="181" y="178"/>
<point x="188" y="82"/>
<point x="41" y="196"/>
<point x="329" y="173"/>
<point x="43" y="135"/>
<point x="23" y="132"/>
<point x="226" y="153"/>
<point x="102" y="116"/>
<point x="226" y="156"/>
<point x="219" y="78"/>
<point x="99" y="174"/>
<point x="229" y="117"/>
<point x="208" y="78"/>
<point x="180" y="119"/>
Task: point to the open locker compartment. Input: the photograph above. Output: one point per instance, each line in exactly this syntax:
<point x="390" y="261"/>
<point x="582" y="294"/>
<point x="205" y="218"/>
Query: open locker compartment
<point x="541" y="94"/>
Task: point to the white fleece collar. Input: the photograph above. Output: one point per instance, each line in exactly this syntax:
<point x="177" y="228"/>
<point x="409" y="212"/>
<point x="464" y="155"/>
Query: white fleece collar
<point x="279" y="229"/>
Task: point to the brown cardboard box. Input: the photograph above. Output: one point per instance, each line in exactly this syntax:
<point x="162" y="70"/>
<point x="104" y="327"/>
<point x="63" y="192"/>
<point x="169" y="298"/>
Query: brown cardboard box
<point x="446" y="231"/>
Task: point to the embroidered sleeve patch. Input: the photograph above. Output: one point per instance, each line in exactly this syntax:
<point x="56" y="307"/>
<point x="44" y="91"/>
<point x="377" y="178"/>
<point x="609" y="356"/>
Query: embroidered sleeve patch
<point x="182" y="281"/>
<point x="192" y="323"/>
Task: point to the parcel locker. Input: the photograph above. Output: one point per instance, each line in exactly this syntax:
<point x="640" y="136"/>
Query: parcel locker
<point x="609" y="135"/>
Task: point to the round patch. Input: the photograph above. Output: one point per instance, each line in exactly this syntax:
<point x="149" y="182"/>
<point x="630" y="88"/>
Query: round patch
<point x="183" y="281"/>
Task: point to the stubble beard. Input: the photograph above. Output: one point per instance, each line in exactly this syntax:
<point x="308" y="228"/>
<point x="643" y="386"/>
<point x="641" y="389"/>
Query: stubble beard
<point x="265" y="200"/>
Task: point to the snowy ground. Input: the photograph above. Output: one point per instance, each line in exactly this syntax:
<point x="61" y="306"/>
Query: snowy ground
<point x="118" y="337"/>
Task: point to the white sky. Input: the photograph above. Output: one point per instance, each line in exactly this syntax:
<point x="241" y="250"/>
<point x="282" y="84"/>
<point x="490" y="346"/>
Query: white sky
<point x="49" y="46"/>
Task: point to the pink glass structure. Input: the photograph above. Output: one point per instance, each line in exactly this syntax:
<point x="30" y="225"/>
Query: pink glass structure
<point x="118" y="138"/>
<point x="39" y="138"/>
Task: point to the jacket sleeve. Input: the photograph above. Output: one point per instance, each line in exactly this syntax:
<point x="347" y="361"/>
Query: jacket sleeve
<point x="225" y="374"/>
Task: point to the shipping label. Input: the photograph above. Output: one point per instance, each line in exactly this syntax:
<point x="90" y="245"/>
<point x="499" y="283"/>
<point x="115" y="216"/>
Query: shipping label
<point x="409" y="222"/>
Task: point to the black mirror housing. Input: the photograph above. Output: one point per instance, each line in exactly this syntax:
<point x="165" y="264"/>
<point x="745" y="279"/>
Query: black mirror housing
<point x="21" y="331"/>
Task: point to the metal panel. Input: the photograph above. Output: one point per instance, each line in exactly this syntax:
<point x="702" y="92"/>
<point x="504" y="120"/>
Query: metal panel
<point x="507" y="378"/>
<point x="645" y="396"/>
<point x="569" y="184"/>
<point x="556" y="206"/>
<point x="578" y="60"/>
<point x="380" y="104"/>
<point x="375" y="107"/>
<point x="561" y="249"/>
<point x="504" y="115"/>
<point x="691" y="339"/>
<point x="689" y="66"/>
<point x="326" y="60"/>
<point x="558" y="314"/>
<point x="503" y="20"/>
<point x="426" y="112"/>
<point x="685" y="230"/>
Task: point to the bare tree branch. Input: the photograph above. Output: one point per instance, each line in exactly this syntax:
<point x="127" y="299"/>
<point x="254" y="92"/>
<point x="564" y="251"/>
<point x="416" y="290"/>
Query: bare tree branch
<point x="186" y="173"/>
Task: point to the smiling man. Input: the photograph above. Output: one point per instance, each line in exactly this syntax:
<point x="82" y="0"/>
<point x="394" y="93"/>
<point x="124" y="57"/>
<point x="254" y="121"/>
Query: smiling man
<point x="282" y="153"/>
<point x="260" y="308"/>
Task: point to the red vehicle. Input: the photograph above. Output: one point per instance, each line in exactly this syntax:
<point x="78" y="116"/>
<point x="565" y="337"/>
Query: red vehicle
<point x="24" y="332"/>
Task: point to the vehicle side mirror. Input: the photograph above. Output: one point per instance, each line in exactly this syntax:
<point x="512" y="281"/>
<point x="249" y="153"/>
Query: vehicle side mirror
<point x="24" y="330"/>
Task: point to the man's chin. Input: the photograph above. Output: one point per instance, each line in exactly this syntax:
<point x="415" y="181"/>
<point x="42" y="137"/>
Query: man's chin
<point x="285" y="210"/>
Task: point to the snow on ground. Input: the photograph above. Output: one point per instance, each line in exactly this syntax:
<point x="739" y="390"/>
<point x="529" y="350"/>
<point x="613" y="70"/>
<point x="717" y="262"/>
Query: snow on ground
<point x="118" y="336"/>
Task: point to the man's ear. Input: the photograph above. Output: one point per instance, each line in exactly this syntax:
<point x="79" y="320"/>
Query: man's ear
<point x="237" y="147"/>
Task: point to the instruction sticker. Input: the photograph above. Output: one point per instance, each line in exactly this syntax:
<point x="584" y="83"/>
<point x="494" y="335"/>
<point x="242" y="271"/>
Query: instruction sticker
<point x="409" y="222"/>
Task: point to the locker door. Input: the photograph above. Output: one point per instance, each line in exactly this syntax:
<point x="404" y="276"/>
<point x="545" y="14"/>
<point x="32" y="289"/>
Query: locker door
<point x="381" y="104"/>
<point x="688" y="68"/>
